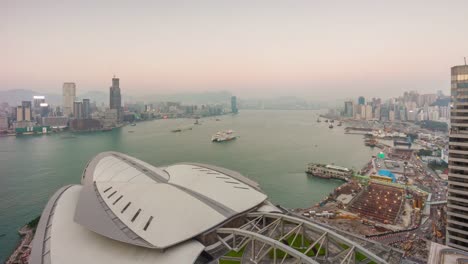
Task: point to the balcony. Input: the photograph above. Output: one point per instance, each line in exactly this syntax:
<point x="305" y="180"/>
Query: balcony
<point x="464" y="216"/>
<point x="456" y="245"/>
<point x="456" y="175"/>
<point x="459" y="124"/>
<point x="458" y="183"/>
<point x="459" y="117"/>
<point x="451" y="221"/>
<point x="459" y="111"/>
<point x="458" y="160"/>
<point x="457" y="207"/>
<point x="458" y="144"/>
<point x="455" y="151"/>
<point x="457" y="199"/>
<point x="455" y="167"/>
<point x="454" y="229"/>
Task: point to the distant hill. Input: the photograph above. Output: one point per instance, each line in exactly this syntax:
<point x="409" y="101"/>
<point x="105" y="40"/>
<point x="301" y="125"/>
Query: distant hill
<point x="14" y="97"/>
<point x="190" y="98"/>
<point x="95" y="96"/>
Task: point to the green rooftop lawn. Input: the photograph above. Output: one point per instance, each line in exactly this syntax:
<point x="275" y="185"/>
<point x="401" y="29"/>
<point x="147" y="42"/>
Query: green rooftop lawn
<point x="297" y="246"/>
<point x="359" y="255"/>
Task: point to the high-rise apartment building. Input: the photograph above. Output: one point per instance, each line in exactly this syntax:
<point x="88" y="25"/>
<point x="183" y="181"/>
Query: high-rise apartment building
<point x="361" y="100"/>
<point x="19" y="113"/>
<point x="86" y="109"/>
<point x="457" y="196"/>
<point x="69" y="94"/>
<point x="369" y="114"/>
<point x="115" y="98"/>
<point x="234" y="105"/>
<point x="78" y="110"/>
<point x="3" y="122"/>
<point x="349" y="109"/>
<point x="26" y="111"/>
<point x="37" y="101"/>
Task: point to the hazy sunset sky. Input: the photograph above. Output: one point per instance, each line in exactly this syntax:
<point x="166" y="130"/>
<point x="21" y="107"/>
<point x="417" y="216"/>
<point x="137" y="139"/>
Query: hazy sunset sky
<point x="251" y="48"/>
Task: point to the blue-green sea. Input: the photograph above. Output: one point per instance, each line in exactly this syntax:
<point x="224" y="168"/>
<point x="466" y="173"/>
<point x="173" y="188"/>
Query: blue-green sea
<point x="273" y="148"/>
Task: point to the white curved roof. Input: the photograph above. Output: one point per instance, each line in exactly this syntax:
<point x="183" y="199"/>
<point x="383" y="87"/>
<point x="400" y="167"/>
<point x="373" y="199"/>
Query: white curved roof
<point x="158" y="208"/>
<point x="69" y="242"/>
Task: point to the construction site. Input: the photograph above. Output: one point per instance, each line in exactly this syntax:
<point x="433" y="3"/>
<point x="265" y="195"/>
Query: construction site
<point x="395" y="199"/>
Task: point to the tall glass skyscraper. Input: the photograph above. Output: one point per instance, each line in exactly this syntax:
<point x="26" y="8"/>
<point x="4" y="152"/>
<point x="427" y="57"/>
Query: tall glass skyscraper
<point x="69" y="93"/>
<point x="234" y="108"/>
<point x="457" y="197"/>
<point x="115" y="98"/>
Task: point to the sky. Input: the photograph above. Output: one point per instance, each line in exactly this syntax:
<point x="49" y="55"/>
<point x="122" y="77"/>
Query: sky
<point x="313" y="49"/>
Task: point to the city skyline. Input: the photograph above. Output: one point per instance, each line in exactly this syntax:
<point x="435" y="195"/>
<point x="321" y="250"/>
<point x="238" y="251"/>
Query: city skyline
<point x="253" y="49"/>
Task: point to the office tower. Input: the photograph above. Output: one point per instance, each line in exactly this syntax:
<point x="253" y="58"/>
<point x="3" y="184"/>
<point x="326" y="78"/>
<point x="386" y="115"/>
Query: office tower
<point x="369" y="115"/>
<point x="361" y="100"/>
<point x="69" y="93"/>
<point x="26" y="110"/>
<point x="391" y="115"/>
<point x="457" y="196"/>
<point x="377" y="112"/>
<point x="37" y="101"/>
<point x="234" y="105"/>
<point x="86" y="109"/>
<point x="44" y="109"/>
<point x="115" y="98"/>
<point x="78" y="110"/>
<point x="362" y="111"/>
<point x="3" y="122"/>
<point x="19" y="113"/>
<point x="349" y="109"/>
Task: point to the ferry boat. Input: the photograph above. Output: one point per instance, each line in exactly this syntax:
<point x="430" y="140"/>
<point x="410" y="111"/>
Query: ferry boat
<point x="329" y="171"/>
<point x="222" y="136"/>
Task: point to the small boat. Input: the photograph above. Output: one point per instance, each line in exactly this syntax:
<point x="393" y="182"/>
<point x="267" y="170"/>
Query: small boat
<point x="318" y="120"/>
<point x="332" y="121"/>
<point x="133" y="124"/>
<point x="217" y="119"/>
<point x="330" y="126"/>
<point x="326" y="120"/>
<point x="222" y="136"/>
<point x="196" y="122"/>
<point x="340" y="124"/>
<point x="176" y="130"/>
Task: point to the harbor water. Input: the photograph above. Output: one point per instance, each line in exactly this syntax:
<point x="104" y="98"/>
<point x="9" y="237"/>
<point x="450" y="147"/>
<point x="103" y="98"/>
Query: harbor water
<point x="272" y="148"/>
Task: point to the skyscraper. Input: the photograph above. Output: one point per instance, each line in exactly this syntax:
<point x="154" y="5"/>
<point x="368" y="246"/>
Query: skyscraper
<point x="115" y="98"/>
<point x="457" y="196"/>
<point x="234" y="105"/>
<point x="78" y="110"/>
<point x="26" y="110"/>
<point x="86" y="109"/>
<point x="69" y="93"/>
<point x="349" y="109"/>
<point x="38" y="100"/>
<point x="361" y="100"/>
